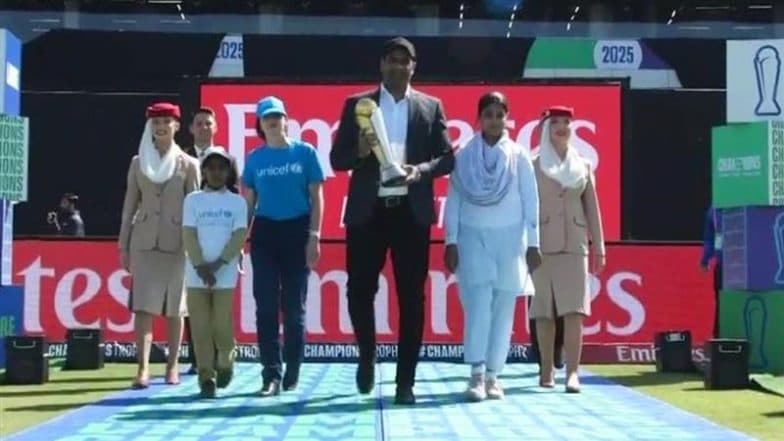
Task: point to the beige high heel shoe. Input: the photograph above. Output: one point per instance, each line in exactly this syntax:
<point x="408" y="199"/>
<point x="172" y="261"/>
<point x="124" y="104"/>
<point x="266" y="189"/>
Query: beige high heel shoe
<point x="572" y="384"/>
<point x="547" y="384"/>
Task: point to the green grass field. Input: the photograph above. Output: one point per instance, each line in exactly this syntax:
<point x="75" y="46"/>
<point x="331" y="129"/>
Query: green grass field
<point x="756" y="413"/>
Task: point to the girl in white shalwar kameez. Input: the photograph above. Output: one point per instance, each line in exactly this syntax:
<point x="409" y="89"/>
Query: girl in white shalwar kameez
<point x="492" y="241"/>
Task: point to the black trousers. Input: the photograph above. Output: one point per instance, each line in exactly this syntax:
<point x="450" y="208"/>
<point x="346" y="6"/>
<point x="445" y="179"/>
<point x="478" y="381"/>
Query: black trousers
<point x="280" y="284"/>
<point x="392" y="227"/>
<point x="559" y="337"/>
<point x="717" y="276"/>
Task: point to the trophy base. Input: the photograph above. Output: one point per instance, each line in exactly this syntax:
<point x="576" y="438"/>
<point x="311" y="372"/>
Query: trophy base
<point x="393" y="176"/>
<point x="779" y="279"/>
<point x="767" y="108"/>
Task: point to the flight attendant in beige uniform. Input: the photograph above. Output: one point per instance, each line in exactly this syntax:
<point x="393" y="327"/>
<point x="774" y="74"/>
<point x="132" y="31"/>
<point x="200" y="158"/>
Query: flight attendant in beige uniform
<point x="569" y="215"/>
<point x="150" y="241"/>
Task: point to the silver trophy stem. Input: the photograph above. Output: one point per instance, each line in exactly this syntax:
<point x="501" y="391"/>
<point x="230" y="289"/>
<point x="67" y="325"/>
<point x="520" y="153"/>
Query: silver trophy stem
<point x="392" y="173"/>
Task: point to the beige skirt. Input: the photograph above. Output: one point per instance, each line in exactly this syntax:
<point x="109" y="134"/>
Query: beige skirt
<point x="158" y="283"/>
<point x="561" y="285"/>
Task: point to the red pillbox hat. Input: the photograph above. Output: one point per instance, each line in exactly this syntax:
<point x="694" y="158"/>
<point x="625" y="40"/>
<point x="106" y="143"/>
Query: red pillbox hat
<point x="163" y="109"/>
<point x="558" y="111"/>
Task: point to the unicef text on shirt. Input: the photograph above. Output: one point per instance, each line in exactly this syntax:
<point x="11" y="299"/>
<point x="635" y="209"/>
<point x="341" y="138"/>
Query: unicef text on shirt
<point x="280" y="170"/>
<point x="214" y="214"/>
<point x="321" y="133"/>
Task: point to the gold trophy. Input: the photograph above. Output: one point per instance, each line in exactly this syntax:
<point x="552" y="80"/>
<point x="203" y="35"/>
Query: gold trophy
<point x="370" y="119"/>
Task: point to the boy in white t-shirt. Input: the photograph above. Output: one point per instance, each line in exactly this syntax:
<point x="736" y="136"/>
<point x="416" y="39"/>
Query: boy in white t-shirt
<point x="214" y="231"/>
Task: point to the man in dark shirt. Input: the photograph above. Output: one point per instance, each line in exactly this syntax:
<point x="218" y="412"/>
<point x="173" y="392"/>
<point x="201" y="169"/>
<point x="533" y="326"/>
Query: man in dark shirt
<point x="203" y="128"/>
<point x="711" y="250"/>
<point x="67" y="220"/>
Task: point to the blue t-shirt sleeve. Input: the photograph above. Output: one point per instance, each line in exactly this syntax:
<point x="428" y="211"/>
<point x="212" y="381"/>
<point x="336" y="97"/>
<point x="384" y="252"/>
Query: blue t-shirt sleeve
<point x="248" y="172"/>
<point x="315" y="172"/>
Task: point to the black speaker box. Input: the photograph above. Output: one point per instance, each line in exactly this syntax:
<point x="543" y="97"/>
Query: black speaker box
<point x="85" y="349"/>
<point x="26" y="360"/>
<point x="673" y="351"/>
<point x="729" y="364"/>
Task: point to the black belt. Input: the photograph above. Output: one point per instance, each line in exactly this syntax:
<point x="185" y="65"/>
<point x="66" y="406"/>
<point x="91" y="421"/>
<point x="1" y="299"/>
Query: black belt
<point x="391" y="201"/>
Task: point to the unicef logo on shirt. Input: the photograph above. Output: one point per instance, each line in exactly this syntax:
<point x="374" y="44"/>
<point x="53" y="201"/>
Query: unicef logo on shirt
<point x="281" y="170"/>
<point x="215" y="214"/>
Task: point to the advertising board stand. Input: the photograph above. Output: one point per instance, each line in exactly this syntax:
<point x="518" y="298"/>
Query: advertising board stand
<point x="748" y="189"/>
<point x="14" y="130"/>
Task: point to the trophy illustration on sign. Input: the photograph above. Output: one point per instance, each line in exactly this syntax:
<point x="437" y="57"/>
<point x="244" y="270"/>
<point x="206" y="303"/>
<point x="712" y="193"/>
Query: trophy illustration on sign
<point x="778" y="241"/>
<point x="767" y="67"/>
<point x="755" y="321"/>
<point x="370" y="119"/>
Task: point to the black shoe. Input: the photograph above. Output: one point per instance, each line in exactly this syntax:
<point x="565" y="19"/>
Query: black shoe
<point x="193" y="370"/>
<point x="207" y="389"/>
<point x="366" y="376"/>
<point x="405" y="396"/>
<point x="291" y="378"/>
<point x="270" y="388"/>
<point x="224" y="377"/>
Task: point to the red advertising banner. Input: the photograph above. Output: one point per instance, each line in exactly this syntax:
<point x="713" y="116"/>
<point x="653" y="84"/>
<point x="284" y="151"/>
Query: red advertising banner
<point x="644" y="289"/>
<point x="314" y="114"/>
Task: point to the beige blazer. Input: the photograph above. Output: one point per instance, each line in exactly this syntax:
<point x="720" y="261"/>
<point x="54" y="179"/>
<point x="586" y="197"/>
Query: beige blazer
<point x="152" y="213"/>
<point x="568" y="217"/>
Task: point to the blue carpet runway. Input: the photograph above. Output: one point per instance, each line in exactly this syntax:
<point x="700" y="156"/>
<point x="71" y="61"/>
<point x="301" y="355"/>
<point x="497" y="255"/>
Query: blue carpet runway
<point x="327" y="407"/>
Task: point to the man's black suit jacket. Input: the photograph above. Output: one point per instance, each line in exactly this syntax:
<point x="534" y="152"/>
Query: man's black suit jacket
<point x="234" y="173"/>
<point x="427" y="148"/>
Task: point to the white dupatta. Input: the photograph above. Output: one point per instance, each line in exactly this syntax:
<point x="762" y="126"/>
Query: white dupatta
<point x="157" y="169"/>
<point x="482" y="173"/>
<point x="569" y="172"/>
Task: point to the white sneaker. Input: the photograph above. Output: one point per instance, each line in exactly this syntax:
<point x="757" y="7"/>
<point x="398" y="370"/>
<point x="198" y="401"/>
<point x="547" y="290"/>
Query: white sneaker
<point x="476" y="388"/>
<point x="493" y="389"/>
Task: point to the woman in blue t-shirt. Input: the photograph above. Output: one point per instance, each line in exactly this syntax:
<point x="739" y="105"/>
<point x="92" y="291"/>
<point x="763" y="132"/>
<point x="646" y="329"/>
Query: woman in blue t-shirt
<point x="283" y="181"/>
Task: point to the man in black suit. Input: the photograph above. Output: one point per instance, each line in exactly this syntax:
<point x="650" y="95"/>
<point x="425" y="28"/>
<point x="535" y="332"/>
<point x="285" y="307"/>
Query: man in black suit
<point x="203" y="128"/>
<point x="379" y="219"/>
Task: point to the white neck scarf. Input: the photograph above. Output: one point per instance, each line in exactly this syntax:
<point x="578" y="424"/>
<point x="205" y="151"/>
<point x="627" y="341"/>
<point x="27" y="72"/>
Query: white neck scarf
<point x="482" y="181"/>
<point x="157" y="169"/>
<point x="569" y="172"/>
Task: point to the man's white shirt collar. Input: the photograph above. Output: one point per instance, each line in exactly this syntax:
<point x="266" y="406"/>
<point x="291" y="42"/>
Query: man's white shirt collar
<point x="385" y="92"/>
<point x="200" y="151"/>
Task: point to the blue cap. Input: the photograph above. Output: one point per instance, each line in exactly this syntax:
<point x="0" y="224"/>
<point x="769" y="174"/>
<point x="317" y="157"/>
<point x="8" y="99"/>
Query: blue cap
<point x="270" y="105"/>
